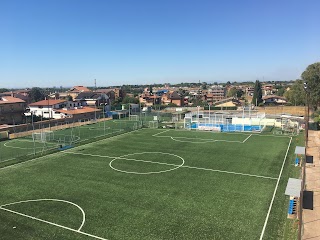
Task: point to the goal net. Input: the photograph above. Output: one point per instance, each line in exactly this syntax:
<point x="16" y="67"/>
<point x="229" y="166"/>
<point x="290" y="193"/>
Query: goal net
<point x="153" y="124"/>
<point x="44" y="136"/>
<point x="134" y="118"/>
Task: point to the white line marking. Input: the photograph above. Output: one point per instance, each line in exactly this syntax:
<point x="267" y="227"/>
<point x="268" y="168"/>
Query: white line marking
<point x="274" y="193"/>
<point x="170" y="164"/>
<point x="54" y="200"/>
<point x="247" y="138"/>
<point x="236" y="173"/>
<point x="176" y="166"/>
<point x="201" y="140"/>
<point x="88" y="154"/>
<point x="160" y="132"/>
<point x="54" y="224"/>
<point x="61" y="153"/>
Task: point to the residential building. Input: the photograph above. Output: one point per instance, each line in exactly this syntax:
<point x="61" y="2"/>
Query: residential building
<point x="249" y="91"/>
<point x="45" y="108"/>
<point x="149" y="100"/>
<point x="11" y="110"/>
<point x="23" y="94"/>
<point x="172" y="97"/>
<point x="78" y="113"/>
<point x="93" y="99"/>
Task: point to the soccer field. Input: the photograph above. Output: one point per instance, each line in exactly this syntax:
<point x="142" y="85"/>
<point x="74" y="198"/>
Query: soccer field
<point x="26" y="146"/>
<point x="151" y="184"/>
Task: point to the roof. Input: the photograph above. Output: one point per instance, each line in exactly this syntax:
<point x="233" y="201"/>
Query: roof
<point x="78" y="110"/>
<point x="173" y="95"/>
<point x="293" y="187"/>
<point x="300" y="150"/>
<point x="273" y="96"/>
<point x="104" y="90"/>
<point x="48" y="102"/>
<point x="88" y="95"/>
<point x="9" y="99"/>
<point x="79" y="89"/>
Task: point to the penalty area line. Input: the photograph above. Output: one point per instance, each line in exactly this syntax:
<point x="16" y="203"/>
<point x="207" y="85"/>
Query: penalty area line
<point x="160" y="133"/>
<point x="247" y="138"/>
<point x="53" y="224"/>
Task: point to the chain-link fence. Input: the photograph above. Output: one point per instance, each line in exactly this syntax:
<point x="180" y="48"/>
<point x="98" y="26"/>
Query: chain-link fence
<point x="48" y="137"/>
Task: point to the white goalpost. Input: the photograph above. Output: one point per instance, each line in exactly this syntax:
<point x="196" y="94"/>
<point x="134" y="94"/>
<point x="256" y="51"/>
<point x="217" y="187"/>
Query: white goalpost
<point x="153" y="124"/>
<point x="43" y="136"/>
<point x="134" y="118"/>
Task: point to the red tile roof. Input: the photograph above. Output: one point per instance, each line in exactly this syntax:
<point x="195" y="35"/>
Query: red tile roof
<point x="49" y="102"/>
<point x="79" y="89"/>
<point x="9" y="99"/>
<point x="78" y="110"/>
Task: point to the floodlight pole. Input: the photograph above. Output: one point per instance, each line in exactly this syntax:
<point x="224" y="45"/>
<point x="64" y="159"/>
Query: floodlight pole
<point x="307" y="109"/>
<point x="34" y="144"/>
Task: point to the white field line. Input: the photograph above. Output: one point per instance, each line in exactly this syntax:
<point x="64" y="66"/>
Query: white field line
<point x="54" y="200"/>
<point x="247" y="138"/>
<point x="54" y="224"/>
<point x="236" y="173"/>
<point x="62" y="152"/>
<point x="160" y="132"/>
<point x="176" y="165"/>
<point x="203" y="140"/>
<point x="275" y="191"/>
<point x="88" y="154"/>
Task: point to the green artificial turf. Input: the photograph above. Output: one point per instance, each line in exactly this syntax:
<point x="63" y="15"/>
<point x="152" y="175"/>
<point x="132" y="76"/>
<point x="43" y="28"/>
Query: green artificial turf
<point x="162" y="185"/>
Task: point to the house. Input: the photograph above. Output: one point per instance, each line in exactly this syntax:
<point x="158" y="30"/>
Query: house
<point x="249" y="91"/>
<point x="273" y="99"/>
<point x="72" y="92"/>
<point x="78" y="113"/>
<point x="45" y="108"/>
<point x="23" y="94"/>
<point x="11" y="110"/>
<point x="172" y="97"/>
<point x="93" y="99"/>
<point x="149" y="100"/>
<point x="109" y="92"/>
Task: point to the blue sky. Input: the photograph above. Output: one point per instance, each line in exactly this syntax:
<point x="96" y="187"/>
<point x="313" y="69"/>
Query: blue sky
<point x="72" y="42"/>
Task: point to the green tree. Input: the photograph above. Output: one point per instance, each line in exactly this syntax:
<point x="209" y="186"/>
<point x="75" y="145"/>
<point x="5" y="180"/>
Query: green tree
<point x="4" y="90"/>
<point x="311" y="76"/>
<point x="232" y="92"/>
<point x="257" y="94"/>
<point x="36" y="94"/>
<point x="281" y="91"/>
<point x="239" y="93"/>
<point x="296" y="95"/>
<point x="128" y="99"/>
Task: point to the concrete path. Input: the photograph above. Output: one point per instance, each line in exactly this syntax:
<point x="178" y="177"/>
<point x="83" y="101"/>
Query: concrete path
<point x="311" y="218"/>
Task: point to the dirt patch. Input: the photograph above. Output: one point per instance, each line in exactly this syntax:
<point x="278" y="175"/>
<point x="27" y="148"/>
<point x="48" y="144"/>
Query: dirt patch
<point x="293" y="110"/>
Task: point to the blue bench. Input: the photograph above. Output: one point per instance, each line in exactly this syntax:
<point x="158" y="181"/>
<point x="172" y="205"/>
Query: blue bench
<point x="297" y="161"/>
<point x="292" y="206"/>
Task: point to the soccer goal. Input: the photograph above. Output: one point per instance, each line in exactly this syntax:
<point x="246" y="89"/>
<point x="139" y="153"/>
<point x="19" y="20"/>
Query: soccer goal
<point x="153" y="124"/>
<point x="133" y="117"/>
<point x="44" y="136"/>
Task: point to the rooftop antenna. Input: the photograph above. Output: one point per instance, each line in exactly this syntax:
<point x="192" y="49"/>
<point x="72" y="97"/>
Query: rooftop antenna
<point x="95" y="85"/>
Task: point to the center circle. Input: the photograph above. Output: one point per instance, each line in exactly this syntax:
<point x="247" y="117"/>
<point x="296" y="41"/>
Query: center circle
<point x="132" y="157"/>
